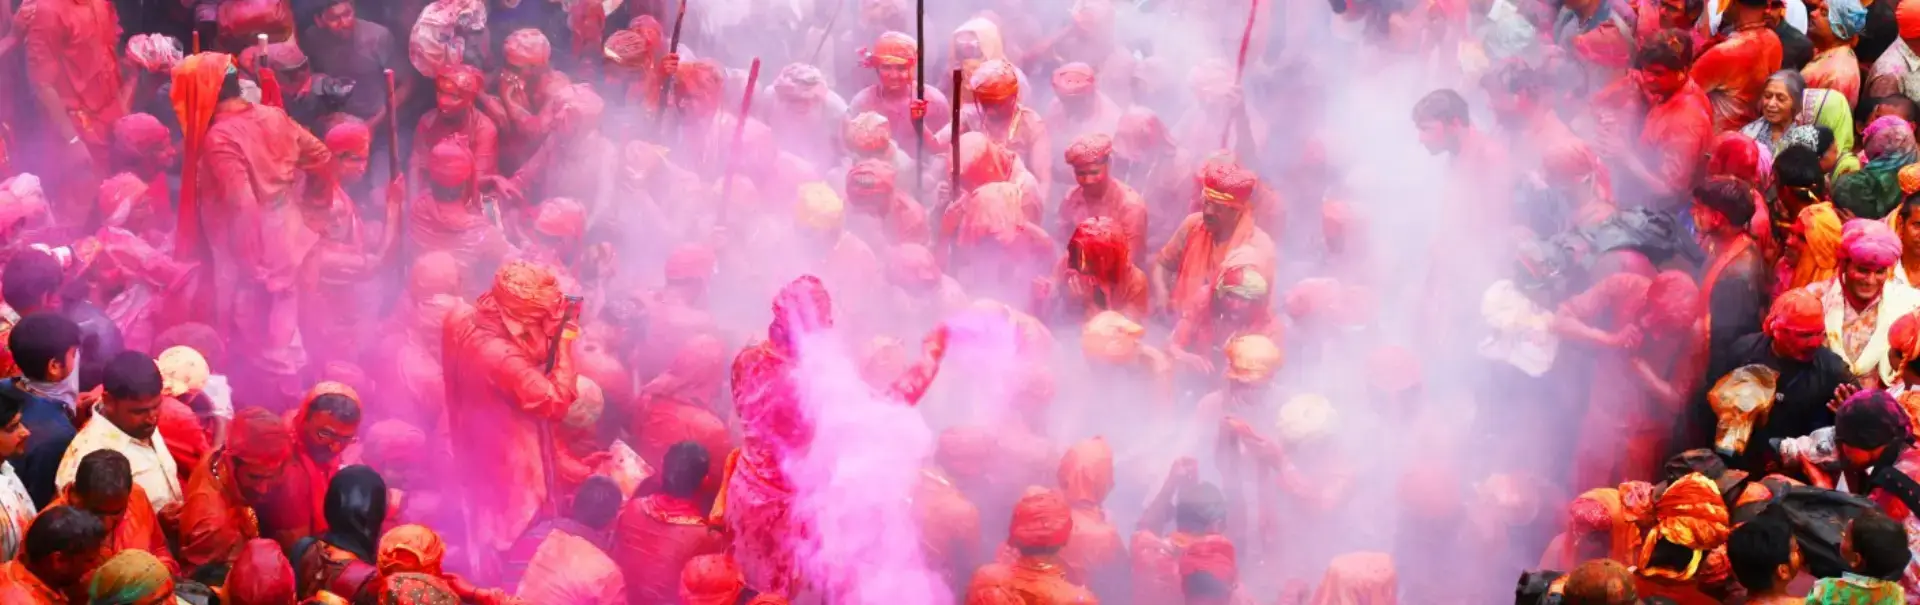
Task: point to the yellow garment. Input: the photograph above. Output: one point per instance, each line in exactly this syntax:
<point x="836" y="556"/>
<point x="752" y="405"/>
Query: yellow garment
<point x="820" y="209"/>
<point x="1820" y="258"/>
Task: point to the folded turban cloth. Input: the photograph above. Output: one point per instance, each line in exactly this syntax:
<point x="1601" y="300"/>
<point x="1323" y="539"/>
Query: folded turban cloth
<point x="1909" y="178"/>
<point x="1869" y="243"/>
<point x="1252" y="359"/>
<point x="117" y="195"/>
<point x="995" y="80"/>
<point x="1140" y="131"/>
<point x="452" y="165"/>
<point x="1819" y="225"/>
<point x="139" y="135"/>
<point x="1214" y="556"/>
<point x="1798" y="310"/>
<point x="1690" y="514"/>
<point x="1245" y="282"/>
<point x="524" y="289"/>
<point x="349" y="135"/>
<point x="283" y="56"/>
<point x="1862" y="194"/>
<point x="261" y="574"/>
<point x="1041" y="520"/>
<point x="1090" y="149"/>
<point x="527" y="48"/>
<point x="1735" y="155"/>
<point x="702" y="79"/>
<point x="182" y="370"/>
<point x="130" y="577"/>
<point x="800" y="82"/>
<point x="1073" y="79"/>
<point x="155" y="53"/>
<point x="1086" y="472"/>
<point x="1101" y="248"/>
<point x="463" y="78"/>
<point x="1111" y="337"/>
<point x="415" y="589"/>
<point x="627" y="48"/>
<point x="1907" y="15"/>
<point x="820" y="209"/>
<point x="867" y="134"/>
<point x="893" y="48"/>
<point x="561" y="217"/>
<point x="871" y="180"/>
<point x="711" y="580"/>
<point x="260" y="439"/>
<point x="1306" y="419"/>
<point x="690" y="261"/>
<point x="411" y="549"/>
<point x="1224" y="180"/>
<point x="1395" y="368"/>
<point x="912" y="267"/>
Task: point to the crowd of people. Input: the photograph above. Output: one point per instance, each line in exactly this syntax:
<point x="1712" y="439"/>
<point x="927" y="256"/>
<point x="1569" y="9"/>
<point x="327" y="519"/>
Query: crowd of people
<point x="432" y="301"/>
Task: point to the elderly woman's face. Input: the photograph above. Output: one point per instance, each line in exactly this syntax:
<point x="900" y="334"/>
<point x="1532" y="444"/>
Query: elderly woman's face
<point x="1777" y="103"/>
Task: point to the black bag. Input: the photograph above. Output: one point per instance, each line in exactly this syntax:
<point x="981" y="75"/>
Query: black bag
<point x="1654" y="234"/>
<point x="1818" y="517"/>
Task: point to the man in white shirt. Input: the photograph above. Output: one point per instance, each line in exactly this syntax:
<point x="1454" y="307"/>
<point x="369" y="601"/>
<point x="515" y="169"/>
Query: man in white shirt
<point x="125" y="421"/>
<point x="16" y="506"/>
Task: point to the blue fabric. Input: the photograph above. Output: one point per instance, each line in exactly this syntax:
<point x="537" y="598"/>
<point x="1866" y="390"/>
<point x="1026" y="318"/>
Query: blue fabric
<point x="52" y="430"/>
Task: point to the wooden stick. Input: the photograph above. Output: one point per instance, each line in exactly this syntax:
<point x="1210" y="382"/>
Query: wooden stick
<point x="1246" y="40"/>
<point x="666" y="82"/>
<point x="739" y="132"/>
<point x="839" y="7"/>
<point x="953" y="150"/>
<point x="393" y="131"/>
<point x="196" y="41"/>
<point x="920" y="94"/>
<point x="547" y="463"/>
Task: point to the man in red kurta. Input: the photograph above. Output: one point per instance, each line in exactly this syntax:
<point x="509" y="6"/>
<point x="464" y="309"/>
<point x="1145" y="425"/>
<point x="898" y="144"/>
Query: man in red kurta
<point x="657" y="534"/>
<point x="1185" y="269"/>
<point x="495" y="358"/>
<point x="448" y="216"/>
<point x="1097" y="274"/>
<point x="454" y="115"/>
<point x="1734" y="71"/>
<point x="1095" y="554"/>
<point x="1664" y="159"/>
<point x="1098" y="193"/>
<point x="1042" y="526"/>
<point x="143" y="146"/>
<point x="60" y="552"/>
<point x="327" y="420"/>
<point x="218" y="517"/>
<point x="883" y="213"/>
<point x="1648" y="330"/>
<point x="75" y="73"/>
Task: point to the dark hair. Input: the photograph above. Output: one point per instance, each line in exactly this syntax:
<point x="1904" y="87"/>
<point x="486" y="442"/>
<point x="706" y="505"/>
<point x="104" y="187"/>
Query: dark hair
<point x="1822" y="140"/>
<point x="1729" y="196"/>
<point x="11" y="402"/>
<point x="41" y="339"/>
<point x="1759" y="547"/>
<point x="132" y="375"/>
<point x="30" y="277"/>
<point x="1906" y="106"/>
<point x="1443" y="105"/>
<point x="64" y="530"/>
<point x="1795" y="49"/>
<point x="1870" y="420"/>
<point x="1199" y="508"/>
<point x="597" y="502"/>
<point x="1669" y="48"/>
<point x="1520" y="78"/>
<point x="104" y="474"/>
<point x="685" y="469"/>
<point x="1798" y="166"/>
<point x="229" y="86"/>
<point x="1534" y="586"/>
<point x="1881" y="543"/>
<point x="1204" y="585"/>
<point x="211" y="574"/>
<point x="1693" y="9"/>
<point x="338" y="406"/>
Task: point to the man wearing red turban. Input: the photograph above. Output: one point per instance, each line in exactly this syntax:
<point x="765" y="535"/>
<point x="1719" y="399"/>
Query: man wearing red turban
<point x="1648" y="331"/>
<point x="1210" y="573"/>
<point x="1042" y="525"/>
<point x="1081" y="108"/>
<point x="496" y="353"/>
<point x="1862" y="303"/>
<point x="1098" y="193"/>
<point x="883" y="213"/>
<point x="1811" y="376"/>
<point x="1885" y="75"/>
<point x="453" y="114"/>
<point x="144" y="147"/>
<point x="218" y="517"/>
<point x="448" y="216"/>
<point x="893" y="56"/>
<point x="1189" y="264"/>
<point x="1097" y="274"/>
<point x="527" y="87"/>
<point x="261" y="575"/>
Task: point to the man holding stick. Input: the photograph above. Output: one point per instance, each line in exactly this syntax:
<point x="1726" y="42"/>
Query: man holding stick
<point x="893" y="58"/>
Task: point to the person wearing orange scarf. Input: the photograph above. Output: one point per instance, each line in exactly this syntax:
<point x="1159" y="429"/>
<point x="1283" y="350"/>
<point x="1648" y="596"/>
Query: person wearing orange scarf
<point x="1597" y="527"/>
<point x="998" y="112"/>
<point x="1042" y="526"/>
<point x="104" y="486"/>
<point x="1097" y="274"/>
<point x="1144" y="373"/>
<point x="416" y="549"/>
<point x="218" y="517"/>
<point x="1684" y="552"/>
<point x="1813" y="249"/>
<point x="1186" y="267"/>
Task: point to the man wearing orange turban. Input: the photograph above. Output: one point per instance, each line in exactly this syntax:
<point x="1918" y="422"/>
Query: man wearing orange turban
<point x="1142" y="374"/>
<point x="1097" y="274"/>
<point x="218" y="517"/>
<point x="527" y="86"/>
<point x="1187" y="266"/>
<point x="455" y="91"/>
<point x="997" y="111"/>
<point x="1210" y="573"/>
<point x="1095" y="554"/>
<point x="892" y="57"/>
<point x="1649" y="331"/>
<point x="496" y="352"/>
<point x="1809" y="376"/>
<point x="327" y="420"/>
<point x="1686" y="545"/>
<point x="1097" y="193"/>
<point x="1042" y="525"/>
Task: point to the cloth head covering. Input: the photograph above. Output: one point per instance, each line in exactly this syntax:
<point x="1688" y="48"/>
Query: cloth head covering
<point x="801" y="82"/>
<point x="1139" y="131"/>
<point x="1598" y="511"/>
<point x="562" y="218"/>
<point x="21" y="197"/>
<point x="1904" y="336"/>
<point x="182" y="370"/>
<point x="1907" y="15"/>
<point x="355" y="506"/>
<point x="1870" y="243"/>
<point x="628" y="48"/>
<point x="1361" y="577"/>
<point x="1909" y="179"/>
<point x="913" y="267"/>
<point x="260" y="575"/>
<point x="524" y="290"/>
<point x="130" y="577"/>
<point x="1042" y="520"/>
<point x="1086" y="472"/>
<point x="1847" y="17"/>
<point x="1223" y="180"/>
<point x="966" y="452"/>
<point x="349" y="135"/>
<point x="690" y="262"/>
<point x="711" y="580"/>
<point x="156" y="53"/>
<point x="1073" y="79"/>
<point x="1864" y="194"/>
<point x="1092" y="148"/>
<point x="983" y="161"/>
<point x="871" y="181"/>
<point x="260" y="439"/>
<point x="1735" y="155"/>
<point x="527" y="48"/>
<point x="465" y="78"/>
<point x="452" y="166"/>
<point x="1819" y="225"/>
<point x="1869" y="420"/>
<point x="704" y="80"/>
<point x="196" y="91"/>
<point x="894" y="48"/>
<point x="1890" y="143"/>
<point x="1252" y="359"/>
<point x="1245" y="282"/>
<point x="1214" y="556"/>
<point x="1305" y="419"/>
<point x="1111" y="337"/>
<point x="819" y="208"/>
<point x="411" y="549"/>
<point x="1102" y="249"/>
<point x="1690" y="514"/>
<point x="415" y="588"/>
<point x="393" y="443"/>
<point x="438" y="38"/>
<point x="867" y="134"/>
<point x="1797" y="309"/>
<point x="139" y="135"/>
<point x="117" y="197"/>
<point x="994" y="80"/>
<point x="1601" y="581"/>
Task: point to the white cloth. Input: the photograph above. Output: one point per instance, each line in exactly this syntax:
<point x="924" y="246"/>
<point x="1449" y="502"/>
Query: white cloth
<point x="1895" y="300"/>
<point x="153" y="466"/>
<point x="16" y="512"/>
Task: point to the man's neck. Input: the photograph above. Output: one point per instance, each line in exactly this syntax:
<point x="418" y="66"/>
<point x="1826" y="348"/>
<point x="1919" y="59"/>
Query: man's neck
<point x="1723" y="241"/>
<point x="1861" y="304"/>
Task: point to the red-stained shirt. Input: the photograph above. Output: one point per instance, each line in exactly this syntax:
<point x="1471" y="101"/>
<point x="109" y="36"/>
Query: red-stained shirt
<point x="19" y="586"/>
<point x="653" y="540"/>
<point x="1119" y="202"/>
<point x="139" y="529"/>
<point x="1738" y="70"/>
<point x="483" y="139"/>
<point x="214" y="522"/>
<point x="1678" y="132"/>
<point x="70" y="48"/>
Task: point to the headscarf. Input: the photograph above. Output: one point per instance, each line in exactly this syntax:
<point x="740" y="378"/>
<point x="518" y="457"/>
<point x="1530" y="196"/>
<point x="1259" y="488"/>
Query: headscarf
<point x="1306" y="419"/>
<point x="994" y="80"/>
<point x="1086" y="472"/>
<point x="1041" y="520"/>
<point x="139" y="135"/>
<point x="1139" y="130"/>
<point x="452" y="166"/>
<point x="1737" y="156"/>
<point x="1820" y="226"/>
<point x="1245" y="282"/>
<point x="1112" y="338"/>
<point x="819" y="208"/>
<point x="260" y="575"/>
<point x="1358" y="578"/>
<point x="1102" y="249"/>
<point x="893" y="48"/>
<point x="867" y="134"/>
<point x="1252" y="359"/>
<point x="130" y="577"/>
<point x="561" y="218"/>
<point x="1903" y="338"/>
<point x="983" y="161"/>
<point x="156" y="53"/>
<point x="356" y="505"/>
<point x="801" y="82"/>
<point x="628" y="48"/>
<point x="711" y="580"/>
<point x="1890" y="144"/>
<point x="182" y="370"/>
<point x="1073" y="79"/>
<point x="527" y="48"/>
<point x="1600" y="511"/>
<point x="1847" y="17"/>
<point x="349" y="135"/>
<point x="523" y="292"/>
<point x="465" y="78"/>
<point x="411" y="549"/>
<point x="260" y="439"/>
<point x="1689" y="514"/>
<point x="1089" y="149"/>
<point x="1223" y="180"/>
<point x="870" y="183"/>
<point x="1907" y="15"/>
<point x="1869" y="243"/>
<point x="415" y="588"/>
<point x="196" y="91"/>
<point x="1797" y="309"/>
<point x="1214" y="556"/>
